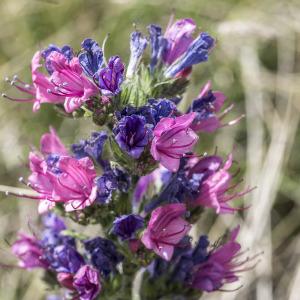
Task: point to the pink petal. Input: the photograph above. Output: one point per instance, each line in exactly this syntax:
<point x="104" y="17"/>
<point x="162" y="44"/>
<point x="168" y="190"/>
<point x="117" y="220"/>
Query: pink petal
<point x="51" y="144"/>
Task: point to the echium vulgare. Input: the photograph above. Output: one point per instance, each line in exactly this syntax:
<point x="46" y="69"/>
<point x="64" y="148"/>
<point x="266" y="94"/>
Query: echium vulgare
<point x="139" y="175"/>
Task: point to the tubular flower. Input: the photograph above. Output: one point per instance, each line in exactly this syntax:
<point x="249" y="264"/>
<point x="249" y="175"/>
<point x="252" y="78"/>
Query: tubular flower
<point x="38" y="90"/>
<point x="133" y="135"/>
<point x="220" y="268"/>
<point x="165" y="229"/>
<point x="87" y="283"/>
<point x="69" y="82"/>
<point x="29" y="252"/>
<point x="91" y="57"/>
<point x="173" y="137"/>
<point x="125" y="226"/>
<point x="66" y="50"/>
<point x="138" y="44"/>
<point x="111" y="78"/>
<point x="207" y="105"/>
<point x="213" y="190"/>
<point x="179" y="37"/>
<point x="158" y="44"/>
<point x="74" y="185"/>
<point x="57" y="177"/>
<point x="196" y="53"/>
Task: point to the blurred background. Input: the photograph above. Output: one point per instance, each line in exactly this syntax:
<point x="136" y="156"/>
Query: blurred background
<point x="256" y="64"/>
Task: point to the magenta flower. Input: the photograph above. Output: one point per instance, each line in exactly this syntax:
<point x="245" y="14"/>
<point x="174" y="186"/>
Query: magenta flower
<point x="165" y="229"/>
<point x="69" y="81"/>
<point x="38" y="91"/>
<point x="58" y="177"/>
<point x="214" y="190"/>
<point x="221" y="267"/>
<point x="50" y="143"/>
<point x="173" y="137"/>
<point x="74" y="185"/>
<point x="87" y="283"/>
<point x="29" y="252"/>
<point x="179" y="37"/>
<point x="207" y="107"/>
<point x="41" y="179"/>
<point x="66" y="280"/>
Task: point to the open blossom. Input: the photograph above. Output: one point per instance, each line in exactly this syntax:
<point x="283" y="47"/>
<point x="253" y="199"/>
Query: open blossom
<point x="165" y="229"/>
<point x="196" y="53"/>
<point x="206" y="106"/>
<point x="70" y="82"/>
<point x="38" y="90"/>
<point x="66" y="50"/>
<point x="29" y="252"/>
<point x="220" y="268"/>
<point x="58" y="177"/>
<point x="74" y="185"/>
<point x="87" y="283"/>
<point x="133" y="135"/>
<point x="173" y="137"/>
<point x="215" y="187"/>
<point x="91" y="57"/>
<point x="111" y="77"/>
<point x="126" y="226"/>
<point x="179" y="37"/>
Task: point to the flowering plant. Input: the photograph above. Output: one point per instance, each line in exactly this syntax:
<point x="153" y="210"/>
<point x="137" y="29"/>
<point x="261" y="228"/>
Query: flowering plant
<point x="138" y="177"/>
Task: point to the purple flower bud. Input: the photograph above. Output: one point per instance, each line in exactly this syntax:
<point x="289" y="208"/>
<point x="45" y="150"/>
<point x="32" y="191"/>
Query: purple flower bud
<point x="196" y="53"/>
<point x="64" y="258"/>
<point x="52" y="236"/>
<point x="91" y="57"/>
<point x="29" y="252"/>
<point x="87" y="283"/>
<point x="138" y="44"/>
<point x="103" y="254"/>
<point x="126" y="226"/>
<point x="179" y="37"/>
<point x="111" y="77"/>
<point x="91" y="147"/>
<point x="132" y="135"/>
<point x="158" y="45"/>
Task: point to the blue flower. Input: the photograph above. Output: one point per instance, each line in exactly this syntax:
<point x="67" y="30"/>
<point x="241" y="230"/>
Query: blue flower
<point x="138" y="44"/>
<point x="153" y="112"/>
<point x="91" y="147"/>
<point x="64" y="258"/>
<point x="196" y="53"/>
<point x="111" y="77"/>
<point x="132" y="135"/>
<point x="177" y="188"/>
<point x="91" y="57"/>
<point x="66" y="50"/>
<point x="51" y="235"/>
<point x="158" y="45"/>
<point x="126" y="226"/>
<point x="112" y="179"/>
<point x="103" y="254"/>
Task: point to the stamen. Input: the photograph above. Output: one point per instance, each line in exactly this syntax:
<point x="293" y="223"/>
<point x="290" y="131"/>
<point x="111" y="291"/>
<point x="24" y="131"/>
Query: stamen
<point x="17" y="99"/>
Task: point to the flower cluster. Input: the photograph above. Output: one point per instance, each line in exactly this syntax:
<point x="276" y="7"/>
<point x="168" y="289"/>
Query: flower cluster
<point x="139" y="176"/>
